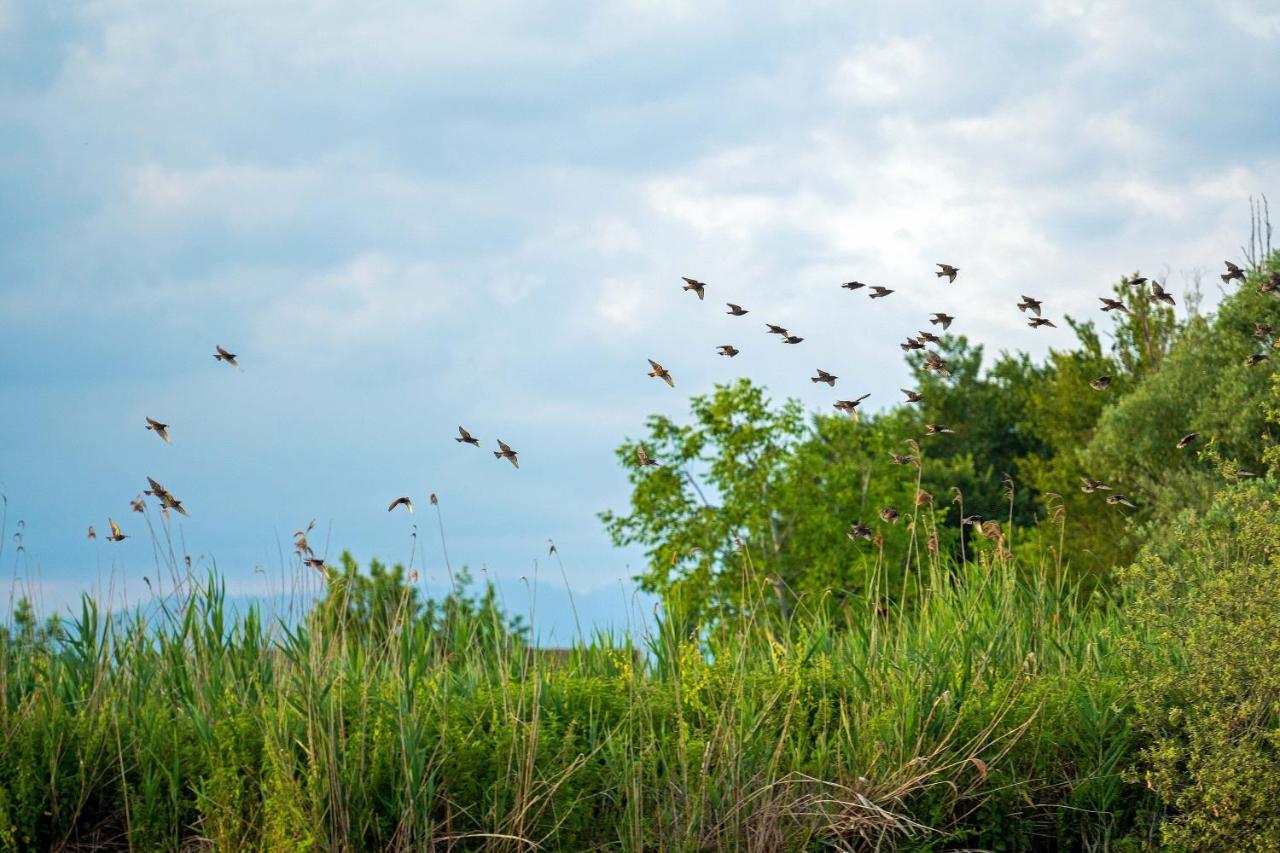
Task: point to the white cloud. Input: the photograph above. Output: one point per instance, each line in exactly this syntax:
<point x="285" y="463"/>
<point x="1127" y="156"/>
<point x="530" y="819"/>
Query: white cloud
<point x="882" y="73"/>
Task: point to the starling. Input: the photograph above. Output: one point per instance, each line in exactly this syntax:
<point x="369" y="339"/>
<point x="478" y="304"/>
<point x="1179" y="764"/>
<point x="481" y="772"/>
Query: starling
<point x="912" y="343"/>
<point x="1159" y="294"/>
<point x="1112" y="304"/>
<point x="852" y="285"/>
<point x="1233" y="272"/>
<point x="643" y="457"/>
<point x="930" y="338"/>
<point x="1137" y="279"/>
<point x="223" y="355"/>
<point x="506" y="453"/>
<point x="698" y="287"/>
<point x="850" y="406"/>
<point x="727" y="349"/>
<point x="948" y="271"/>
<point x="1256" y="359"/>
<point x="1241" y="473"/>
<point x="1088" y="485"/>
<point x="315" y="562"/>
<point x="1037" y="322"/>
<point x="823" y="376"/>
<point x="1261" y="330"/>
<point x="465" y="437"/>
<point x="901" y="459"/>
<point x="935" y="362"/>
<point x="736" y="310"/>
<point x="660" y="372"/>
<point x="1186" y="440"/>
<point x="792" y="339"/>
<point x="1029" y="304"/>
<point x="116" y="535"/>
<point x="889" y="515"/>
<point x="776" y="330"/>
<point x="93" y="534"/>
<point x="858" y="530"/>
<point x="1120" y="500"/>
<point x="941" y="319"/>
<point x="912" y="396"/>
<point x="137" y="505"/>
<point x="159" y="429"/>
<point x="971" y="520"/>
<point x="878" y="292"/>
<point x="408" y="504"/>
<point x="936" y="429"/>
<point x="1100" y="383"/>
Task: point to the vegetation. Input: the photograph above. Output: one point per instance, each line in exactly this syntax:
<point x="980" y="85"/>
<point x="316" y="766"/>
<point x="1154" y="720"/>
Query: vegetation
<point x="1057" y="673"/>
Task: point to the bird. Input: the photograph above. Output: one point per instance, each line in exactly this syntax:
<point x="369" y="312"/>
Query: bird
<point x="889" y="515"/>
<point x="936" y="429"/>
<point x="507" y="453"/>
<point x="643" y="457"/>
<point x="1159" y="294"/>
<point x="858" y="530"/>
<point x="1120" y="500"/>
<point x="408" y="504"/>
<point x="1037" y="322"/>
<point x="93" y="534"/>
<point x="1029" y="304"/>
<point x="1270" y="285"/>
<point x="698" y="287"/>
<point x="930" y="338"/>
<point x="1242" y="472"/>
<point x="1233" y="272"/>
<point x="912" y="396"/>
<point x="465" y="437"/>
<point x="736" y="310"/>
<point x="878" y="292"/>
<point x="1186" y="440"/>
<point x="852" y="285"/>
<point x="1100" y="383"/>
<point x="948" y="271"/>
<point x="137" y="505"/>
<point x="116" y="535"/>
<point x="1109" y="304"/>
<point x="1088" y="485"/>
<point x="1261" y="330"/>
<point x="661" y="372"/>
<point x="941" y="319"/>
<point x="221" y="354"/>
<point x="166" y="498"/>
<point x="912" y="343"/>
<point x="728" y="349"/>
<point x="159" y="429"/>
<point x="1137" y="279"/>
<point x="792" y="339"/>
<point x="823" y="376"/>
<point x="776" y="330"/>
<point x="1256" y="359"/>
<point x="316" y="563"/>
<point x="901" y="459"/>
<point x="971" y="520"/>
<point x="935" y="362"/>
<point x="850" y="406"/>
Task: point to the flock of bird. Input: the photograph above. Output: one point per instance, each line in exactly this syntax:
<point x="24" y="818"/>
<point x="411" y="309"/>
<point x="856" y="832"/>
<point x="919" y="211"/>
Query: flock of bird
<point x="933" y="362"/>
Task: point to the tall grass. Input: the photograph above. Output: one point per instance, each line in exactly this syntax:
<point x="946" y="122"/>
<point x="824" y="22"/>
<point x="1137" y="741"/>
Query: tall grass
<point x="980" y="708"/>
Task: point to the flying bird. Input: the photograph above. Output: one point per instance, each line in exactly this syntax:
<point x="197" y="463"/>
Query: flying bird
<point x="930" y="338"/>
<point x="1100" y="384"/>
<point x="776" y="330"/>
<point x="465" y="437"/>
<point x="1029" y="304"/>
<point x="935" y="362"/>
<point x="736" y="310"/>
<point x="889" y="515"/>
<point x="878" y="292"/>
<point x="1137" y="279"/>
<point x="852" y="285"/>
<point x="1261" y="330"/>
<point x="728" y="349"/>
<point x="698" y="287"/>
<point x="408" y="504"/>
<point x="1256" y="359"/>
<point x="506" y="453"/>
<point x="1037" y="322"/>
<point x="1121" y="500"/>
<point x="1109" y="304"/>
<point x="1088" y="485"/>
<point x="661" y="372"/>
<point x="823" y="376"/>
<point x="948" y="271"/>
<point x="941" y="319"/>
<point x="850" y="406"/>
<point x="137" y="505"/>
<point x="912" y="343"/>
<point x="1159" y="294"/>
<point x="643" y="457"/>
<point x="222" y="355"/>
<point x="1186" y="440"/>
<point x="93" y="534"/>
<point x="316" y="563"/>
<point x="936" y="429"/>
<point x="901" y="459"/>
<point x="858" y="530"/>
<point x="912" y="396"/>
<point x="1233" y="272"/>
<point x="792" y="339"/>
<point x="159" y="429"/>
<point x="116" y="535"/>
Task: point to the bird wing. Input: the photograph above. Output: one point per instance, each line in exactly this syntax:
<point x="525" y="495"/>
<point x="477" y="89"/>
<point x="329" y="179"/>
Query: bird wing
<point x="115" y="528"/>
<point x="657" y="367"/>
<point x="671" y="382"/>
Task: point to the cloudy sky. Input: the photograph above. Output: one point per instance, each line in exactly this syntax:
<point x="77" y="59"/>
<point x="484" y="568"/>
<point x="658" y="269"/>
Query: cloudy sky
<point x="406" y="216"/>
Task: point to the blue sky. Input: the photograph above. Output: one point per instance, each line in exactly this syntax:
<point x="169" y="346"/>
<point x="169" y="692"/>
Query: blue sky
<point x="406" y="216"/>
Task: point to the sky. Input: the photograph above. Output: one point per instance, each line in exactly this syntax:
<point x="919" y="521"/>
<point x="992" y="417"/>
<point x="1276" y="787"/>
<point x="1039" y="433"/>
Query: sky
<point x="407" y="216"/>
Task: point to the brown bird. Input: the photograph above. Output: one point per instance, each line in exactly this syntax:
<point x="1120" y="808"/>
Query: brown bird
<point x="316" y="563"/>
<point x="930" y="338"/>
<point x="936" y="429"/>
<point x="948" y="271"/>
<point x="1233" y="272"/>
<point x="901" y="459"/>
<point x="137" y="505"/>
<point x="728" y="349"/>
<point x="792" y="339"/>
<point x="1137" y="279"/>
<point x="912" y="343"/>
<point x="698" y="287"/>
<point x="850" y="406"/>
<point x="935" y="362"/>
<point x="1261" y="330"/>
<point x="852" y="285"/>
<point x="506" y="453"/>
<point x="1100" y="384"/>
<point x="1088" y="485"/>
<point x="1270" y="285"/>
<point x="823" y="376"/>
<point x="736" y="310"/>
<point x="157" y="490"/>
<point x="971" y="520"/>
<point x="1029" y="304"/>
<point x="889" y="515"/>
<point x="116" y="535"/>
<point x="1037" y="322"/>
<point x="159" y="429"/>
<point x="941" y="319"/>
<point x="643" y="457"/>
<point x="465" y="437"/>
<point x="223" y="355"/>
<point x="858" y="530"/>
<point x="93" y="534"/>
<point x="912" y="396"/>
<point x="300" y="543"/>
<point x="1159" y="294"/>
<point x="878" y="292"/>
<point x="1186" y="440"/>
<point x="1109" y="304"/>
<point x="1120" y="500"/>
<point x="1256" y="359"/>
<point x="1241" y="473"/>
<point x="661" y="372"/>
<point x="166" y="498"/>
<point x="776" y="330"/>
<point x="408" y="504"/>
